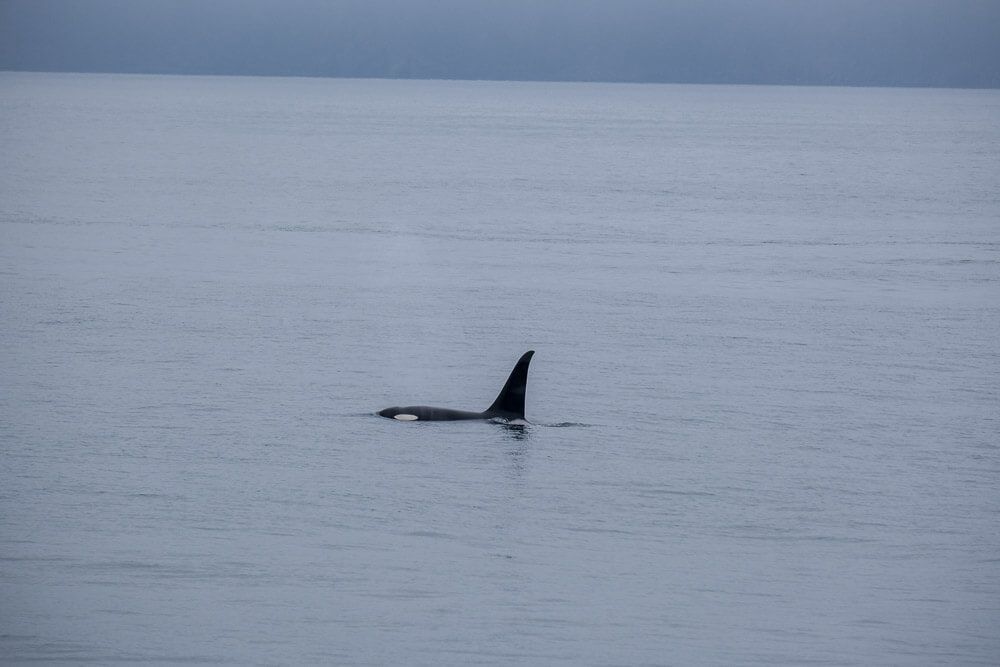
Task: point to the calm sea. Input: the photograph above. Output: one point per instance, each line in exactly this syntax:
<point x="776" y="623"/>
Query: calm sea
<point x="765" y="399"/>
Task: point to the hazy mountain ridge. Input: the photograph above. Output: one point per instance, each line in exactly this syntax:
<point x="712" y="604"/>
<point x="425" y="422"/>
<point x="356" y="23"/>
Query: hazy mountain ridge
<point x="902" y="43"/>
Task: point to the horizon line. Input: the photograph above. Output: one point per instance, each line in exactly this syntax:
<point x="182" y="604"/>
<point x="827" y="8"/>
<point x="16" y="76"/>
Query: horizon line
<point x="899" y="86"/>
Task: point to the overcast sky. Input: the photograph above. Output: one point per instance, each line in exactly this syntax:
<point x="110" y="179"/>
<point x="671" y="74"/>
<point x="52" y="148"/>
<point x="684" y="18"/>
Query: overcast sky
<point x="852" y="42"/>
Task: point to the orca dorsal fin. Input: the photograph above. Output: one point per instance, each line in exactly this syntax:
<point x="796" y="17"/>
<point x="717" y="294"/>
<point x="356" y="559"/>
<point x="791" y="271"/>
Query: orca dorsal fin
<point x="510" y="402"/>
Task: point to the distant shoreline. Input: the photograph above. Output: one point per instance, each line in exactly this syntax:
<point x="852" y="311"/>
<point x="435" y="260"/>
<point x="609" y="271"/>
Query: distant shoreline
<point x="498" y="80"/>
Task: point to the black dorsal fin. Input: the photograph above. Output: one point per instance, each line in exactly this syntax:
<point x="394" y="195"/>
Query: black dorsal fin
<point x="510" y="402"/>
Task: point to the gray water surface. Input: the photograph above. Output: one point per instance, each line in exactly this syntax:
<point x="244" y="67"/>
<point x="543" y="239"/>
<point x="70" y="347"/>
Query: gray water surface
<point x="764" y="399"/>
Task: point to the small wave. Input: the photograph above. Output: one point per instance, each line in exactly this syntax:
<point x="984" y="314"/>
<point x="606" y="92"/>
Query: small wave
<point x="509" y="422"/>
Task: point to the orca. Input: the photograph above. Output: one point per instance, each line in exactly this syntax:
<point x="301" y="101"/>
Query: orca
<point x="508" y="406"/>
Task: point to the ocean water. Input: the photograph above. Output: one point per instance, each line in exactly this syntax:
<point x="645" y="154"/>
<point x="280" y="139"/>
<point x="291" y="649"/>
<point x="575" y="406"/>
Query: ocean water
<point x="765" y="424"/>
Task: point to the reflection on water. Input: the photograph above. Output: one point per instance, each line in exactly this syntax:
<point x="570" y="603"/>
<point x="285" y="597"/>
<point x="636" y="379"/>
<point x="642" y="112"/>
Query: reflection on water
<point x="516" y="431"/>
